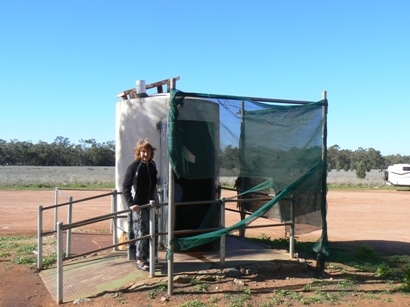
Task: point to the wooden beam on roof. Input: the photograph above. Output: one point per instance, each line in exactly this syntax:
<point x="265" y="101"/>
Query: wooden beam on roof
<point x="129" y="94"/>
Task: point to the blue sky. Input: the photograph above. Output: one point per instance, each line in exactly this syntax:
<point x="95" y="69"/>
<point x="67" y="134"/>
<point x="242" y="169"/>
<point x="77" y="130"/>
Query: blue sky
<point x="63" y="62"/>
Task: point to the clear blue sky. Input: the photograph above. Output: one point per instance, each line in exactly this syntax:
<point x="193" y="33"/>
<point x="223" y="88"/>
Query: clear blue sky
<point x="63" y="62"/>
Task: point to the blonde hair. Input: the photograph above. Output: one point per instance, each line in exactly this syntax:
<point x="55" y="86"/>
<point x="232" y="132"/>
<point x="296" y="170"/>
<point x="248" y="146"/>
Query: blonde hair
<point x="143" y="144"/>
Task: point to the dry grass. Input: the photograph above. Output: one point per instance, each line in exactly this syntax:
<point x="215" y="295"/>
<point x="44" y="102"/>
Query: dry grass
<point x="55" y="175"/>
<point x="71" y="175"/>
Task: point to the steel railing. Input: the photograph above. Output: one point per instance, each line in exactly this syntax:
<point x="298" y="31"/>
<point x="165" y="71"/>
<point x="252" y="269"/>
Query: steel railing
<point x="60" y="228"/>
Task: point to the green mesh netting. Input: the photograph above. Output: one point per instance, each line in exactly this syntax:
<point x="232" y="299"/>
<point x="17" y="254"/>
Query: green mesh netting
<point x="279" y="149"/>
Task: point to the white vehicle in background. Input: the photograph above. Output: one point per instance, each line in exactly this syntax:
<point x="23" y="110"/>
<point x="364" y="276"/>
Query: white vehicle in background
<point x="398" y="175"/>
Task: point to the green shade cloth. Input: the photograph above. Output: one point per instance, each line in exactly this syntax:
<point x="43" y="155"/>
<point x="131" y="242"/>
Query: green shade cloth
<point x="275" y="148"/>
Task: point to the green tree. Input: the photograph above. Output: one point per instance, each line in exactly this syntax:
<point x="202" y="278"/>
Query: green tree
<point x="230" y="157"/>
<point x="361" y="170"/>
<point x="395" y="159"/>
<point x="59" y="153"/>
<point x="332" y="152"/>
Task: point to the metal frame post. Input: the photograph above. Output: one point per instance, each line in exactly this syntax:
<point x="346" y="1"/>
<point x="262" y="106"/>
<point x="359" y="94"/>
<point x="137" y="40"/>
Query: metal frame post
<point x="222" y="247"/>
<point x="113" y="225"/>
<point x="170" y="230"/>
<point x="242" y="159"/>
<point x="69" y="221"/>
<point x="171" y="212"/>
<point x="59" y="262"/>
<point x="292" y="229"/>
<point x="40" y="238"/>
<point x="152" y="238"/>
<point x="55" y="209"/>
<point x="324" y="159"/>
<point x="321" y="257"/>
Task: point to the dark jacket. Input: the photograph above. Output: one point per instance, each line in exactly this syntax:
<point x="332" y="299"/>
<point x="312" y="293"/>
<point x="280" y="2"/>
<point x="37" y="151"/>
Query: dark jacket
<point x="143" y="178"/>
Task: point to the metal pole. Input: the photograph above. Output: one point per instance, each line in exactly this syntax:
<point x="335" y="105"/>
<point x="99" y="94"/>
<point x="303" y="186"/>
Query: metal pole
<point x="112" y="210"/>
<point x="59" y="263"/>
<point x="242" y="159"/>
<point x="40" y="238"/>
<point x="152" y="238"/>
<point x="324" y="159"/>
<point x="69" y="220"/>
<point x="260" y="99"/>
<point x="55" y="209"/>
<point x="172" y="83"/>
<point x="170" y="230"/>
<point x="321" y="256"/>
<point x="171" y="213"/>
<point x="223" y="239"/>
<point x="292" y="229"/>
<point x="114" y="220"/>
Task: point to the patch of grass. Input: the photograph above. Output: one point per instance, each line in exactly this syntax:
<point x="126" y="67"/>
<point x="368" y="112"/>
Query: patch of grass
<point x="239" y="299"/>
<point x="384" y="271"/>
<point x="193" y="303"/>
<point x="277" y="300"/>
<point x="366" y="253"/>
<point x="364" y="258"/>
<point x="201" y="287"/>
<point x="154" y="292"/>
<point x="320" y="295"/>
<point x="4" y="254"/>
<point x="315" y="299"/>
<point x="266" y="304"/>
<point x="23" y="250"/>
<point x="348" y="186"/>
<point x="24" y="260"/>
<point x="162" y="286"/>
<point x="400" y="259"/>
<point x="387" y="300"/>
<point x="405" y="287"/>
<point x="347" y="284"/>
<point x="50" y="260"/>
<point x="370" y="296"/>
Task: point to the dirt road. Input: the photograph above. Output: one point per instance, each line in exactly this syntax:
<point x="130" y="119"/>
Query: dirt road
<point x="377" y="218"/>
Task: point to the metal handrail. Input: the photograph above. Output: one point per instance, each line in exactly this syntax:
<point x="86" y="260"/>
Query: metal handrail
<point x="41" y="234"/>
<point x="152" y="236"/>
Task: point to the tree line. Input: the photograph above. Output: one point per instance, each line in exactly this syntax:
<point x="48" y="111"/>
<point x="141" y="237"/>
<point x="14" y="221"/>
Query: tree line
<point x="345" y="159"/>
<point x="361" y="160"/>
<point x="90" y="153"/>
<point x="59" y="153"/>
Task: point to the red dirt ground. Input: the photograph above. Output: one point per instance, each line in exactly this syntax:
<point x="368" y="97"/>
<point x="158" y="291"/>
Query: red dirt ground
<point x="376" y="218"/>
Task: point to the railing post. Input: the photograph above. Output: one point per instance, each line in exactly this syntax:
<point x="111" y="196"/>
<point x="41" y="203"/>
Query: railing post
<point x="292" y="229"/>
<point x="69" y="221"/>
<point x="170" y="246"/>
<point x="152" y="238"/>
<point x="55" y="209"/>
<point x="112" y="210"/>
<point x="113" y="225"/>
<point x="59" y="263"/>
<point x="40" y="238"/>
<point x="223" y="239"/>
